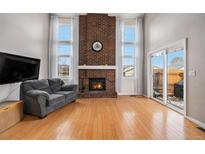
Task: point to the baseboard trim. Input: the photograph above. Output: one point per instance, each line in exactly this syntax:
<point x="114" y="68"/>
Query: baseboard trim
<point x="199" y="123"/>
<point x="127" y="94"/>
<point x="121" y="94"/>
<point x="145" y="95"/>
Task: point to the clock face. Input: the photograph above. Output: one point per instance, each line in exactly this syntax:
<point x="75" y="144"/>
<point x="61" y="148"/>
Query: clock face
<point x="97" y="46"/>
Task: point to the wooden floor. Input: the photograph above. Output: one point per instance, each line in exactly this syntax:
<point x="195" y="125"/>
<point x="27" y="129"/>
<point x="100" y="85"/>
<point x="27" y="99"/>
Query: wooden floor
<point x="109" y="118"/>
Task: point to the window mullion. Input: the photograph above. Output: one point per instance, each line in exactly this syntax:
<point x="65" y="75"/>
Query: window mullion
<point x="65" y="42"/>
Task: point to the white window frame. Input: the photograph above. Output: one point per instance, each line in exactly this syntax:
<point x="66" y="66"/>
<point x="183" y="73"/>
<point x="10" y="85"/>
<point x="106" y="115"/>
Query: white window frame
<point x="135" y="44"/>
<point x="69" y="43"/>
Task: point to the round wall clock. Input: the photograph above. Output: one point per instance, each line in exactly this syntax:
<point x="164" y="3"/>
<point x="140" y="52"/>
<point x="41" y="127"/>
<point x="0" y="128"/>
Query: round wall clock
<point x="97" y="46"/>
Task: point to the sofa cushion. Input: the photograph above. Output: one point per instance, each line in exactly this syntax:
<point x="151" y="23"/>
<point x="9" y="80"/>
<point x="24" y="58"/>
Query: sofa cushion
<point x="69" y="95"/>
<point x="55" y="98"/>
<point x="36" y="85"/>
<point x="55" y="84"/>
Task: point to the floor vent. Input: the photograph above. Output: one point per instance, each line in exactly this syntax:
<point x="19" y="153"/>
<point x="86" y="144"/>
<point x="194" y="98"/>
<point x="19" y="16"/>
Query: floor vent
<point x="202" y="129"/>
<point x="132" y="95"/>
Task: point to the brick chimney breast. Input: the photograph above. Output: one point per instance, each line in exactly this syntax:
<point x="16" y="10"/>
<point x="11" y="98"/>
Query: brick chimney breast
<point x="93" y="27"/>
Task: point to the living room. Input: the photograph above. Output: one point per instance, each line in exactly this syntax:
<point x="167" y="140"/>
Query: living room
<point x="102" y="76"/>
<point x="102" y="64"/>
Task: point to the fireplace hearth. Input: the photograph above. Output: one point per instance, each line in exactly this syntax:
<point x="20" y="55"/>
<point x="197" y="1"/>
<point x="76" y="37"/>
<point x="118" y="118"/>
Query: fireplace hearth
<point x="97" y="84"/>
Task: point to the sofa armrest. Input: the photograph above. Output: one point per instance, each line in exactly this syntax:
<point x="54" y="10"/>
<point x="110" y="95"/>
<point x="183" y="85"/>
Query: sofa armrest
<point x="35" y="102"/>
<point x="37" y="93"/>
<point x="71" y="87"/>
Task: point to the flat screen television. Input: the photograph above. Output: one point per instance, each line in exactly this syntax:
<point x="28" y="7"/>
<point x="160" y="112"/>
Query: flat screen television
<point x="15" y="68"/>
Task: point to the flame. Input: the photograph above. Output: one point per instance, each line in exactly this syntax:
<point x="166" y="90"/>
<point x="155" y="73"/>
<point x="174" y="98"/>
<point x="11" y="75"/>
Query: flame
<point x="97" y="86"/>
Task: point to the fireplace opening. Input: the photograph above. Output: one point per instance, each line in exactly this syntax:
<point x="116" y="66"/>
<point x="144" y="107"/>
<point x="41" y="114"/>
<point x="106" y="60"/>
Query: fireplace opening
<point x="97" y="84"/>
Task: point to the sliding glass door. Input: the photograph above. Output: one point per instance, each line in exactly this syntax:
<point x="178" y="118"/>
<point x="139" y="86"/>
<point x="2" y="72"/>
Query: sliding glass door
<point x="175" y="78"/>
<point x="167" y="79"/>
<point x="157" y="69"/>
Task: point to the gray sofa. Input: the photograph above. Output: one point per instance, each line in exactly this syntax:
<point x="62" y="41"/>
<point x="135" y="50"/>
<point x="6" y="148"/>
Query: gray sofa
<point x="44" y="96"/>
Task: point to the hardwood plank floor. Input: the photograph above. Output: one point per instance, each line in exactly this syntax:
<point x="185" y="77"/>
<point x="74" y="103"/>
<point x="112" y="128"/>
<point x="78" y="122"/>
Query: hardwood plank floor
<point x="107" y="118"/>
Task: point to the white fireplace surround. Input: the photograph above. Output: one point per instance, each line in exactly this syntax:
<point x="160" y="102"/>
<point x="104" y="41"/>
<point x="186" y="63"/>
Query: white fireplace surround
<point x="102" y="67"/>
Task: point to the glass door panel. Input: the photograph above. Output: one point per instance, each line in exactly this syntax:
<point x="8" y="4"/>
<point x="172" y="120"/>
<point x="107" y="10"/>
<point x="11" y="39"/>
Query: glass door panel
<point x="175" y="78"/>
<point x="157" y="68"/>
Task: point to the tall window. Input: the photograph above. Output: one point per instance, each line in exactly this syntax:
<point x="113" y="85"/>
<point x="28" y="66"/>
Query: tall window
<point x="129" y="47"/>
<point x="64" y="48"/>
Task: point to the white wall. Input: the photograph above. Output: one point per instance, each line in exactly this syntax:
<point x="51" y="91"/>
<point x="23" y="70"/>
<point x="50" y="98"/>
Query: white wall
<point x="26" y="35"/>
<point x="163" y="29"/>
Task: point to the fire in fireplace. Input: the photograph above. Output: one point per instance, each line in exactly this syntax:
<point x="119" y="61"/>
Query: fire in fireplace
<point x="97" y="84"/>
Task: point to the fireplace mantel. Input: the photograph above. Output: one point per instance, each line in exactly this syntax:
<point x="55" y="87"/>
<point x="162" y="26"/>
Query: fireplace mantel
<point x="98" y="67"/>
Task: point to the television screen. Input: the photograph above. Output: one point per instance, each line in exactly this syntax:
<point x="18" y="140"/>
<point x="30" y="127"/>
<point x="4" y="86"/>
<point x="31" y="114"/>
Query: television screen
<point x="15" y="68"/>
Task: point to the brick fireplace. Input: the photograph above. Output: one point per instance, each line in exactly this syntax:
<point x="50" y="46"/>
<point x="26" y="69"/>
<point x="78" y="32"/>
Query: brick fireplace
<point x="97" y="66"/>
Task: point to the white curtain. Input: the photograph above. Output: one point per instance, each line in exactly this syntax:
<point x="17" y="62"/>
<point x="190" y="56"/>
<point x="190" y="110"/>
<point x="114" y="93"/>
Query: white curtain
<point x="75" y="49"/>
<point x="52" y="73"/>
<point x="118" y="55"/>
<point x="139" y="78"/>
